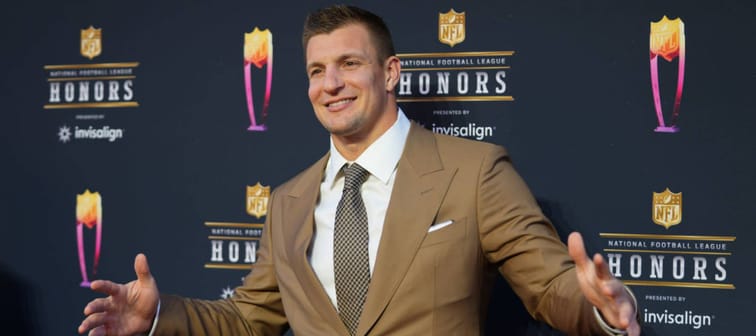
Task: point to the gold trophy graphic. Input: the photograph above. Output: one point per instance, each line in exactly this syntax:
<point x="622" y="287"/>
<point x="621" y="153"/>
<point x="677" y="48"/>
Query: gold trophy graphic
<point x="89" y="214"/>
<point x="667" y="39"/>
<point x="258" y="51"/>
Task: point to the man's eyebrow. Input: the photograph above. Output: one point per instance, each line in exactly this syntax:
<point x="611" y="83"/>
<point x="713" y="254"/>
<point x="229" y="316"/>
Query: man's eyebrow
<point x="312" y="65"/>
<point x="357" y="55"/>
<point x="341" y="58"/>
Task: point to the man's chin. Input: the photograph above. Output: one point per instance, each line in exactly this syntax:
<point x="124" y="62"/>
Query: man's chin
<point x="343" y="130"/>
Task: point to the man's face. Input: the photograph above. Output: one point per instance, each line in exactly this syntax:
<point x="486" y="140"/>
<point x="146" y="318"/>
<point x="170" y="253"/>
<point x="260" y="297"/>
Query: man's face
<point x="348" y="83"/>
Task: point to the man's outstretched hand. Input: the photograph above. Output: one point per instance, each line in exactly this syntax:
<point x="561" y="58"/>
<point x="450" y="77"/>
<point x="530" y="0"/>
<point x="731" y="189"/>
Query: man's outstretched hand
<point x="601" y="288"/>
<point x="128" y="309"/>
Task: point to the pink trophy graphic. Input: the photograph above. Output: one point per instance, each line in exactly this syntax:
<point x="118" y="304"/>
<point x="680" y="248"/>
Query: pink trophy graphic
<point x="89" y="214"/>
<point x="258" y="51"/>
<point x="667" y="39"/>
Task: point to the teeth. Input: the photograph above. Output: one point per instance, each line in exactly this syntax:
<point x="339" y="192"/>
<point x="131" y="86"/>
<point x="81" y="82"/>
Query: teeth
<point x="340" y="102"/>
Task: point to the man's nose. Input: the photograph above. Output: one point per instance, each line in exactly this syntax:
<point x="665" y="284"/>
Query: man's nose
<point x="333" y="81"/>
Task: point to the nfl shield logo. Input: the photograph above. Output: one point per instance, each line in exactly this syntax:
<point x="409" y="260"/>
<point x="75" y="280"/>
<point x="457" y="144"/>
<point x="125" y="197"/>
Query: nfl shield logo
<point x="257" y="200"/>
<point x="666" y="37"/>
<point x="91" y="42"/>
<point x="667" y="208"/>
<point x="451" y="27"/>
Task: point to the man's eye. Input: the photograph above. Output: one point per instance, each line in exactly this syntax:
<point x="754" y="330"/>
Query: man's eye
<point x="315" y="72"/>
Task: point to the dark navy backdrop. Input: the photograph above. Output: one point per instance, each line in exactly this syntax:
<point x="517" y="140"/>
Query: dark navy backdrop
<point x="579" y="128"/>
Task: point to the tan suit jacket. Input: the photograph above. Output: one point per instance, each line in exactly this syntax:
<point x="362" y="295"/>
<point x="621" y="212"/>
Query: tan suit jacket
<point x="423" y="283"/>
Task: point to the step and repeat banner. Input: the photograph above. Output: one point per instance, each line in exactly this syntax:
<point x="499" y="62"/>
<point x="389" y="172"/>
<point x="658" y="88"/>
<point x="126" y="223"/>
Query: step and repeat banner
<point x="162" y="127"/>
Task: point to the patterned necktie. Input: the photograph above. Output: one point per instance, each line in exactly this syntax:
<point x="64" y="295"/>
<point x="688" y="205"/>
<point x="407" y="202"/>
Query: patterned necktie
<point x="350" y="248"/>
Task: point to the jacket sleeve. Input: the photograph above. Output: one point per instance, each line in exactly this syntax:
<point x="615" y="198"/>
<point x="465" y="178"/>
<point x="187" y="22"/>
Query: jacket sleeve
<point x="254" y="309"/>
<point x="522" y="243"/>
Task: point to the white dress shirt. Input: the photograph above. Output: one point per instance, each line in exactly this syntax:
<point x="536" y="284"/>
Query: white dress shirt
<point x="380" y="159"/>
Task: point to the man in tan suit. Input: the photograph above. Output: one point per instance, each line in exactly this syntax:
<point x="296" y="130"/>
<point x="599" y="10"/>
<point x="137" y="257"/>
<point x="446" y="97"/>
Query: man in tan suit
<point x="441" y="214"/>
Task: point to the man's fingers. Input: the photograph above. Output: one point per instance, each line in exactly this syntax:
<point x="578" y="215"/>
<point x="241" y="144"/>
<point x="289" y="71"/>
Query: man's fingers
<point x="97" y="306"/>
<point x="99" y="331"/>
<point x="633" y="329"/>
<point x="105" y="287"/>
<point x="141" y="268"/>
<point x="602" y="268"/>
<point x="616" y="290"/>
<point x="577" y="249"/>
<point x="92" y="322"/>
<point x="628" y="319"/>
<point x="627" y="311"/>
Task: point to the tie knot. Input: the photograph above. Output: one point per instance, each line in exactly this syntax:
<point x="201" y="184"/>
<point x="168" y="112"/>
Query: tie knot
<point x="354" y="176"/>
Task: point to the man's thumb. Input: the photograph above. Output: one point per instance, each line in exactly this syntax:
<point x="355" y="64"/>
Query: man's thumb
<point x="141" y="268"/>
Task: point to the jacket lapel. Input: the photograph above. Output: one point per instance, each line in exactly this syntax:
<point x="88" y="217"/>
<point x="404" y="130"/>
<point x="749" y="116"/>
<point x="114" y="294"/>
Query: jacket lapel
<point x="420" y="185"/>
<point x="298" y="230"/>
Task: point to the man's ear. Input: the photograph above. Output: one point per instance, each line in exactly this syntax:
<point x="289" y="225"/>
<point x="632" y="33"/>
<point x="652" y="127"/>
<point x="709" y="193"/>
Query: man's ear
<point x="393" y="69"/>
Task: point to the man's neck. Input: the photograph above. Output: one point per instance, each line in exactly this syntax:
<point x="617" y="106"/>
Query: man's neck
<point x="352" y="146"/>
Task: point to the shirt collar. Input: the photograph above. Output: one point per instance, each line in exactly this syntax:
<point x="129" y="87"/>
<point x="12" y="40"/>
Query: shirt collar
<point x="380" y="158"/>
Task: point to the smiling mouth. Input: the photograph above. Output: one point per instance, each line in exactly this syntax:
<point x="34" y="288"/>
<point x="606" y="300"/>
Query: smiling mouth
<point x="339" y="103"/>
